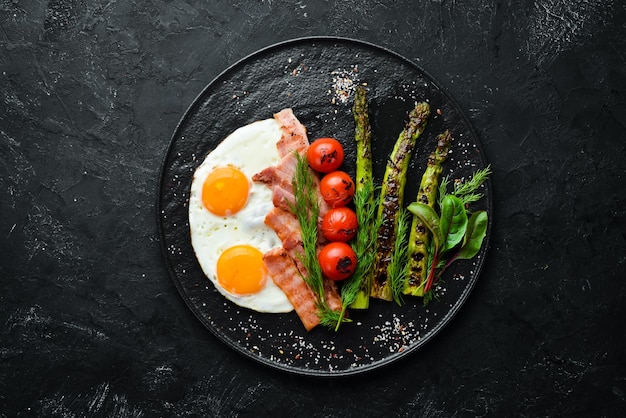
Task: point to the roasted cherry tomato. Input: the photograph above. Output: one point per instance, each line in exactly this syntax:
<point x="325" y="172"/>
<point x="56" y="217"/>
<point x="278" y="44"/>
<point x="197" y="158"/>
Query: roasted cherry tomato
<point x="337" y="188"/>
<point x="325" y="155"/>
<point x="339" y="224"/>
<point x="337" y="260"/>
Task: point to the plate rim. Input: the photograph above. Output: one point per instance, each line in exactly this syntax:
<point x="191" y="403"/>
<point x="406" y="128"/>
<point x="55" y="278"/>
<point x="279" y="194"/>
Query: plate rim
<point x="393" y="358"/>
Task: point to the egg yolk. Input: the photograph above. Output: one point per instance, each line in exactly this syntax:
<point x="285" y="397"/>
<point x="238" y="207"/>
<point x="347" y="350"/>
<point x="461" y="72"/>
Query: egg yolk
<point x="225" y="191"/>
<point x="240" y="270"/>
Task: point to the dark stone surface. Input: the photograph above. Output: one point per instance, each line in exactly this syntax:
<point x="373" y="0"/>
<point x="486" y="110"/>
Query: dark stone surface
<point x="92" y="325"/>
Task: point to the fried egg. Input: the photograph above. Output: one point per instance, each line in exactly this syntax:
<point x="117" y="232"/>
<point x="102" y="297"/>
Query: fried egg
<point x="226" y="217"/>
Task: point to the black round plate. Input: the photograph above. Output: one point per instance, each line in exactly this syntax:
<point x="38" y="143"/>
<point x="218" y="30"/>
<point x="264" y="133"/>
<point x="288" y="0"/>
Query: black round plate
<point x="316" y="77"/>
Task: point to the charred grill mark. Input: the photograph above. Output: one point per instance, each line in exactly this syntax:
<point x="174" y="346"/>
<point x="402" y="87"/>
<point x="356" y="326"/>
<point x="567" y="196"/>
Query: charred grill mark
<point x="391" y="163"/>
<point x="329" y="157"/>
<point x="344" y="265"/>
<point x="420" y="235"/>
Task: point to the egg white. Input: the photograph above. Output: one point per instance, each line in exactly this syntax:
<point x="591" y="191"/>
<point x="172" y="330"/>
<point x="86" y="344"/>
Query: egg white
<point x="250" y="149"/>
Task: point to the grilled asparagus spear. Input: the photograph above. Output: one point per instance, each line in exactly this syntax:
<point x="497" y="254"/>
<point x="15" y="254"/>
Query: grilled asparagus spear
<point x="363" y="139"/>
<point x="365" y="243"/>
<point x="392" y="194"/>
<point x="419" y="236"/>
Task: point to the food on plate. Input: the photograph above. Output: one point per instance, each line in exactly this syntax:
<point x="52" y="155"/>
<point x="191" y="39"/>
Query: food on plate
<point x="307" y="211"/>
<point x="398" y="267"/>
<point x="363" y="140"/>
<point x="298" y="208"/>
<point x="339" y="224"/>
<point x="279" y="178"/>
<point x="294" y="137"/>
<point x="356" y="291"/>
<point x="419" y="237"/>
<point x="226" y="217"/>
<point x="225" y="191"/>
<point x="337" y="260"/>
<point x="277" y="226"/>
<point x="337" y="188"/>
<point x="392" y="197"/>
<point x="456" y="233"/>
<point x="325" y="155"/>
<point x="285" y="273"/>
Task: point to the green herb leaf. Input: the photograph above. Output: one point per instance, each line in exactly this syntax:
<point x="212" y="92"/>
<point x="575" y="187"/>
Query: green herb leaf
<point x="306" y="209"/>
<point x="364" y="246"/>
<point x="476" y="232"/>
<point x="443" y="189"/>
<point x="430" y="219"/>
<point x="467" y="190"/>
<point x="453" y="221"/>
<point x="398" y="269"/>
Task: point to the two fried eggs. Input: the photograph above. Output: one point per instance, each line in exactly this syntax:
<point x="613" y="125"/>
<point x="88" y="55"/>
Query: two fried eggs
<point x="226" y="217"/>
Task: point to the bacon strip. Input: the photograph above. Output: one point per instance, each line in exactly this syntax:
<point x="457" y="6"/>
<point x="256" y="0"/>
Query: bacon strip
<point x="286" y="226"/>
<point x="279" y="179"/>
<point x="294" y="137"/>
<point x="288" y="230"/>
<point x="283" y="270"/>
<point x="331" y="291"/>
<point x="289" y="164"/>
<point x="331" y="295"/>
<point x="280" y="175"/>
<point x="283" y="199"/>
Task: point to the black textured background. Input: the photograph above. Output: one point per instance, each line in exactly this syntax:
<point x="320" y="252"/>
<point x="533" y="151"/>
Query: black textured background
<point x="92" y="325"/>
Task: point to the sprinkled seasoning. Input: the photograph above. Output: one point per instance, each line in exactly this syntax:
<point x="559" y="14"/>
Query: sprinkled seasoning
<point x="395" y="335"/>
<point x="344" y="84"/>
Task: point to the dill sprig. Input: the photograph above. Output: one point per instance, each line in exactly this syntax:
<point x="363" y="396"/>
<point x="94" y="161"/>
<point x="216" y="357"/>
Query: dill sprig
<point x="398" y="269"/>
<point x="329" y="318"/>
<point x="364" y="247"/>
<point x="466" y="190"/>
<point x="306" y="209"/>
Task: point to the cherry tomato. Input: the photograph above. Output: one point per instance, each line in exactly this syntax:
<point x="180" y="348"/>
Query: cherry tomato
<point x="337" y="189"/>
<point x="325" y="155"/>
<point x="337" y="260"/>
<point x="339" y="224"/>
